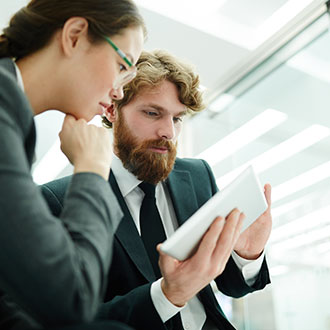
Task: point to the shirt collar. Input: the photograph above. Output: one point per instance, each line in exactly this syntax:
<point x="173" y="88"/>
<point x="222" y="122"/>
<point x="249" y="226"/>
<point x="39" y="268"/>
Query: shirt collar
<point x="127" y="181"/>
<point x="19" y="77"/>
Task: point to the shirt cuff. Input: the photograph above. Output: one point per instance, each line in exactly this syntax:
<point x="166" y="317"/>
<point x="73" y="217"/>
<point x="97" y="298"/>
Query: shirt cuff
<point x="163" y="306"/>
<point x="249" y="268"/>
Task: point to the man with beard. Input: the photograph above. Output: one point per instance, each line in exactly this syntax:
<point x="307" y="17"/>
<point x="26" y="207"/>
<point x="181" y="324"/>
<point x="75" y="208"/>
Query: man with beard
<point x="157" y="193"/>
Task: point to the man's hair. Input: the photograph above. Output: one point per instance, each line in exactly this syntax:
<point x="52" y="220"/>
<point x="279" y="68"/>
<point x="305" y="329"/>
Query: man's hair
<point x="155" y="67"/>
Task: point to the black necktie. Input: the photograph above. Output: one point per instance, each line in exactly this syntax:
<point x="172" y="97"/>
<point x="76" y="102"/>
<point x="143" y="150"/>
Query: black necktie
<point x="152" y="230"/>
<point x="152" y="233"/>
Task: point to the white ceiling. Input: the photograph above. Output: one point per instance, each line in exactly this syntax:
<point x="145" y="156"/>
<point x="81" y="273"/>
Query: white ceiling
<point x="213" y="35"/>
<point x="246" y="24"/>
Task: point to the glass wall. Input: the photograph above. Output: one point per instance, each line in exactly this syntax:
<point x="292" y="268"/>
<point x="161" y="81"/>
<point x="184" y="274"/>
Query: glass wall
<point x="283" y="127"/>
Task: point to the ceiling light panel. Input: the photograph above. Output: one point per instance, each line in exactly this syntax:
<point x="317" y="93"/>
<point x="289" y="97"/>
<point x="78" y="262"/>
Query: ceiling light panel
<point x="242" y="136"/>
<point x="303" y="224"/>
<point x="302" y="181"/>
<point x="280" y="152"/>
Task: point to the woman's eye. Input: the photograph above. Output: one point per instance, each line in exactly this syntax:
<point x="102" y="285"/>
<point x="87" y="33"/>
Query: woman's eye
<point x="177" y="119"/>
<point x="122" y="67"/>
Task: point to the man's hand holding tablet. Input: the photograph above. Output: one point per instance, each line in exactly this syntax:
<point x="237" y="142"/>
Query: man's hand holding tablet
<point x="244" y="225"/>
<point x="244" y="193"/>
<point x="182" y="280"/>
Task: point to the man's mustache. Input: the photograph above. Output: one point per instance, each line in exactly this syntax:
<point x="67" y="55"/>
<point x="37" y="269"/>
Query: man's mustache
<point x="169" y="145"/>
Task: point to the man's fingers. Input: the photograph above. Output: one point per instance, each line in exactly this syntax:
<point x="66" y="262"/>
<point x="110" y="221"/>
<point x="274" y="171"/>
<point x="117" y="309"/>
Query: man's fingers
<point x="209" y="240"/>
<point x="228" y="237"/>
<point x="167" y="264"/>
<point x="239" y="227"/>
<point x="268" y="194"/>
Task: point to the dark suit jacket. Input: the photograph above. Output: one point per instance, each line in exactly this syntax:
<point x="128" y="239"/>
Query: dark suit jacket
<point x="51" y="271"/>
<point x="191" y="184"/>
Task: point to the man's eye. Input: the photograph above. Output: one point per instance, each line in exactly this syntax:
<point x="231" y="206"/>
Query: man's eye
<point x="151" y="113"/>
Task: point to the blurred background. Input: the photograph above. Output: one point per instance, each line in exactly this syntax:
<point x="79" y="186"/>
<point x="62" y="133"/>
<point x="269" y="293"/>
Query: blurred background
<point x="265" y="67"/>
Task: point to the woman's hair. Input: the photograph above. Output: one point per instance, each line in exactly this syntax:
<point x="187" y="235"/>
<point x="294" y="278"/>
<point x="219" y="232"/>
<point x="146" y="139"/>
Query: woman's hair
<point x="31" y="28"/>
<point x="155" y="67"/>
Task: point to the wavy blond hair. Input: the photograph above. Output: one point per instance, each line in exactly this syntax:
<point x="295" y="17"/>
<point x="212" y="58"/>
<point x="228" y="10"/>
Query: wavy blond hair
<point x="155" y="67"/>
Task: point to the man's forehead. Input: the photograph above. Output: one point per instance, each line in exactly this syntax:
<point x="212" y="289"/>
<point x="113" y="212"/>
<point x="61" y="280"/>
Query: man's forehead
<point x="154" y="90"/>
<point x="163" y="87"/>
<point x="163" y="97"/>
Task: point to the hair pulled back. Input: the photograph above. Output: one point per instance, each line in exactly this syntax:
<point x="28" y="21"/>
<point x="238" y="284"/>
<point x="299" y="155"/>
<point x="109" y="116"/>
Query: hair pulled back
<point x="32" y="27"/>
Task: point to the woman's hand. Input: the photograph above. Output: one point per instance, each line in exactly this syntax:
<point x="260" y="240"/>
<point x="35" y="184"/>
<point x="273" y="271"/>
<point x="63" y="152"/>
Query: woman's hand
<point x="87" y="147"/>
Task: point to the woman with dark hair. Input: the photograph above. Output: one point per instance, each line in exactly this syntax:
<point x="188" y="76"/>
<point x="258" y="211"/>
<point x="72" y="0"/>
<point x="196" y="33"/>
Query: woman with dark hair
<point x="74" y="56"/>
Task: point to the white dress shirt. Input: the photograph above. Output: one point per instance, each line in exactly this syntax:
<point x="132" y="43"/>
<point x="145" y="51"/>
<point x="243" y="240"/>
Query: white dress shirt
<point x="19" y="77"/>
<point x="192" y="314"/>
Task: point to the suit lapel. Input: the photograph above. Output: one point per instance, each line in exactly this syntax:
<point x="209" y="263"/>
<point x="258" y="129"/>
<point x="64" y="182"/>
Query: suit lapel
<point x="213" y="309"/>
<point x="182" y="194"/>
<point x="129" y="237"/>
<point x="185" y="203"/>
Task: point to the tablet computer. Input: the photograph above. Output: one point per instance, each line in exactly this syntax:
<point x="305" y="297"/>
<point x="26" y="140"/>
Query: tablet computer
<point x="244" y="193"/>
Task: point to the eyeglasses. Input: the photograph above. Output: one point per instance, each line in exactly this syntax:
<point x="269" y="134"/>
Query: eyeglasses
<point x="124" y="76"/>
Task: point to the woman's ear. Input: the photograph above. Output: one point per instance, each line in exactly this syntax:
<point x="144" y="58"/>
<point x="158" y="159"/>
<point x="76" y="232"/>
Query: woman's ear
<point x="111" y="113"/>
<point x="74" y="34"/>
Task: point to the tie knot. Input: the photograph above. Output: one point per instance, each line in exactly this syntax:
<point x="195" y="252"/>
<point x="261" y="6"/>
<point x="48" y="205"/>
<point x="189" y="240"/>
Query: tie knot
<point x="148" y="188"/>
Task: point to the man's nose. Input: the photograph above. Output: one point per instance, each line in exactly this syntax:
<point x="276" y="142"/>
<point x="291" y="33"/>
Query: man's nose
<point x="166" y="130"/>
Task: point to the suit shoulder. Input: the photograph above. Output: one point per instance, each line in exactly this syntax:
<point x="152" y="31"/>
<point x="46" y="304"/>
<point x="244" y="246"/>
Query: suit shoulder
<point x="191" y="164"/>
<point x="13" y="102"/>
<point x="8" y="80"/>
<point x="200" y="172"/>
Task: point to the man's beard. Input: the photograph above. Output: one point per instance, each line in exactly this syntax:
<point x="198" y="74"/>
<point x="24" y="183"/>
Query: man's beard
<point x="137" y="158"/>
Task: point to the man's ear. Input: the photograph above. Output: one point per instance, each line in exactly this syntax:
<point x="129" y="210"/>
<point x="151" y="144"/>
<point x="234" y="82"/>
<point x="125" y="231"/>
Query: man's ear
<point x="111" y="113"/>
<point x="74" y="33"/>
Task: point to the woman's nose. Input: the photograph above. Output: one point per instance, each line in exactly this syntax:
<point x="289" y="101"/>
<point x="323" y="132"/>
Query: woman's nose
<point x="117" y="94"/>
